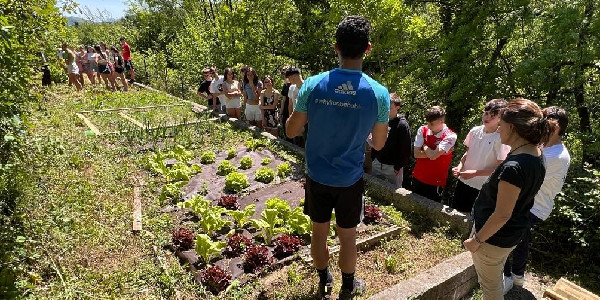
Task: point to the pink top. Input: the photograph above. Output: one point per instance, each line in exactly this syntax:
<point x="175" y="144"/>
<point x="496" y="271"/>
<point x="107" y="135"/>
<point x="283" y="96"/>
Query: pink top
<point x="126" y="52"/>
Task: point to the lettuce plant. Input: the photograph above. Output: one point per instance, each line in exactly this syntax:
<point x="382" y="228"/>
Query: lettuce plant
<point x="242" y="217"/>
<point x="256" y="144"/>
<point x="256" y="258"/>
<point x="181" y="172"/>
<point x="225" y="167"/>
<point x="236" y="182"/>
<point x="246" y="163"/>
<point x="156" y="163"/>
<point x="284" y="170"/>
<point x="265" y="161"/>
<point x="264" y="175"/>
<point x="282" y="207"/>
<point x="181" y="154"/>
<point x="197" y="204"/>
<point x="231" y="153"/>
<point x="236" y="245"/>
<point x="208" y="157"/>
<point x="215" y="279"/>
<point x="268" y="224"/>
<point x="286" y="245"/>
<point x="229" y="202"/>
<point x="372" y="214"/>
<point x="171" y="191"/>
<point x="298" y="222"/>
<point x="212" y="221"/>
<point x="183" y="239"/>
<point x="207" y="249"/>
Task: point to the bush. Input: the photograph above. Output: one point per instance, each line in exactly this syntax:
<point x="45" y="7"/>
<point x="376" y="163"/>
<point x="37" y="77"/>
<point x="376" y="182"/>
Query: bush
<point x="264" y="175"/>
<point x="225" y="167"/>
<point x="208" y="157"/>
<point x="284" y="170"/>
<point x="236" y="182"/>
<point x="246" y="163"/>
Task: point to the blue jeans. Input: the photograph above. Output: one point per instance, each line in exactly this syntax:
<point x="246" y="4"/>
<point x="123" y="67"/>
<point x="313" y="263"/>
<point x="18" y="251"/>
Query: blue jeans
<point x="521" y="252"/>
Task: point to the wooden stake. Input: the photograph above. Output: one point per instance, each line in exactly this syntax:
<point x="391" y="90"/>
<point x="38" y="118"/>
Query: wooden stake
<point x="137" y="208"/>
<point x="132" y="120"/>
<point x="89" y="124"/>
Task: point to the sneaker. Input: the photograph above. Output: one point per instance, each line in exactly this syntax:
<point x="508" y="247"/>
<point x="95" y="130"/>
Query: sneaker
<point x="325" y="289"/>
<point x="508" y="284"/>
<point x="518" y="280"/>
<point x="358" y="289"/>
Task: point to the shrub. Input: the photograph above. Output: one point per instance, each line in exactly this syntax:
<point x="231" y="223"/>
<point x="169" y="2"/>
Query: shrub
<point x="256" y="258"/>
<point x="236" y="182"/>
<point x="264" y="175"/>
<point x="284" y="170"/>
<point x="372" y="214"/>
<point x="215" y="279"/>
<point x="236" y="245"/>
<point x="286" y="245"/>
<point x="225" y="167"/>
<point x="265" y="161"/>
<point x="246" y="163"/>
<point x="208" y="157"/>
<point x="229" y="202"/>
<point x="183" y="239"/>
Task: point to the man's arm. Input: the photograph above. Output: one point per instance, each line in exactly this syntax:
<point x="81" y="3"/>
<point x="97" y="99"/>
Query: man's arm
<point x="295" y="124"/>
<point x="379" y="134"/>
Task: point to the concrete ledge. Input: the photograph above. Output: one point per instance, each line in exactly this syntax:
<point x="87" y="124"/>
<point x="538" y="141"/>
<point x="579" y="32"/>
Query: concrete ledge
<point x="451" y="279"/>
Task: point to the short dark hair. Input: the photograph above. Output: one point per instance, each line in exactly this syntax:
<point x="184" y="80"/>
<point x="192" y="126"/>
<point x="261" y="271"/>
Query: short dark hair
<point x="559" y="115"/>
<point x="121" y="38"/>
<point x="435" y="113"/>
<point x="395" y="99"/>
<point x="291" y="71"/>
<point x="495" y="106"/>
<point x="352" y="36"/>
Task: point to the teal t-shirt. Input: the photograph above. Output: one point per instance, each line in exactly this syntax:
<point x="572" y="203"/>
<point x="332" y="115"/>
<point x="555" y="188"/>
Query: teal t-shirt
<point x="342" y="107"/>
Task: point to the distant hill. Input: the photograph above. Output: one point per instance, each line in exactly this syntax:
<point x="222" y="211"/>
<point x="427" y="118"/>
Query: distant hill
<point x="72" y="20"/>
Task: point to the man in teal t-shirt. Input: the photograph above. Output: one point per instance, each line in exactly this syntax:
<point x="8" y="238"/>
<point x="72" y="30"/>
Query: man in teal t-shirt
<point x="342" y="107"/>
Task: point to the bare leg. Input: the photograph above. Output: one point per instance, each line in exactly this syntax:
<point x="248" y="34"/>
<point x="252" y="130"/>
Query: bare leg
<point x="347" y="261"/>
<point x="318" y="245"/>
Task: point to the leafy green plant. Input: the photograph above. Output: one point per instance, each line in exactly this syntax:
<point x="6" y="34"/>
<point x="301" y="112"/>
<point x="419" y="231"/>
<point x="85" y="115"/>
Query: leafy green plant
<point x="156" y="163"/>
<point x="264" y="175"/>
<point x="181" y="154"/>
<point x="212" y="220"/>
<point x="298" y="222"/>
<point x="256" y="144"/>
<point x="231" y="153"/>
<point x="241" y="217"/>
<point x="391" y="264"/>
<point x="284" y="170"/>
<point x="246" y="163"/>
<point x="236" y="182"/>
<point x="207" y="249"/>
<point x="198" y="205"/>
<point x="282" y="207"/>
<point x="181" y="171"/>
<point x="267" y="224"/>
<point x="265" y="161"/>
<point x="225" y="167"/>
<point x="208" y="157"/>
<point x="171" y="191"/>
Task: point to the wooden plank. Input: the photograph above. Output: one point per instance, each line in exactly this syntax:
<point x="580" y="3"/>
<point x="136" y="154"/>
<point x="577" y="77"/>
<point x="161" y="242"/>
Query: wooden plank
<point x="132" y="120"/>
<point x="567" y="290"/>
<point x="131" y="108"/>
<point x="137" y="208"/>
<point x="89" y="124"/>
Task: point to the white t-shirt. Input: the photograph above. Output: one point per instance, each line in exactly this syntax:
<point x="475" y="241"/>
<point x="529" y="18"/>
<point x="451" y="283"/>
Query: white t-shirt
<point x="557" y="160"/>
<point x="214" y="88"/>
<point x="293" y="92"/>
<point x="485" y="150"/>
<point x="446" y="144"/>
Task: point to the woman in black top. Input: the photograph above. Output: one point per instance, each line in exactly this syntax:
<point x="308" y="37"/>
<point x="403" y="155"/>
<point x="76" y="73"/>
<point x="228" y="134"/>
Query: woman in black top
<point x="285" y="109"/>
<point x="501" y="211"/>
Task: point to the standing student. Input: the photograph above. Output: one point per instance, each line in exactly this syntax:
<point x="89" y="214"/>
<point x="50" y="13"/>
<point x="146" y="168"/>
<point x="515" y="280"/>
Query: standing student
<point x="127" y="57"/>
<point x="119" y="67"/>
<point x="285" y="103"/>
<point x="433" y="148"/>
<point x="71" y="66"/>
<point x="104" y="69"/>
<point x="270" y="100"/>
<point x="557" y="160"/>
<point x="342" y="107"/>
<point x="484" y="153"/>
<point x="216" y="89"/>
<point x="501" y="210"/>
<point x="204" y="89"/>
<point x="389" y="162"/>
<point x="294" y="76"/>
<point x="251" y="92"/>
<point x="231" y="89"/>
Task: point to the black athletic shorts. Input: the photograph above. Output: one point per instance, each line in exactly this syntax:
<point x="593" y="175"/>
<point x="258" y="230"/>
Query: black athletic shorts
<point x="320" y="200"/>
<point x="129" y="65"/>
<point x="464" y="197"/>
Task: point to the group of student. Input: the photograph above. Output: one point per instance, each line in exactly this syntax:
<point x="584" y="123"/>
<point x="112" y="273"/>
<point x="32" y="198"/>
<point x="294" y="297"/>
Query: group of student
<point x="264" y="106"/>
<point x="514" y="165"/>
<point x="99" y="63"/>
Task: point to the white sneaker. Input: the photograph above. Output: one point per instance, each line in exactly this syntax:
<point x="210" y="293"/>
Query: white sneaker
<point x="508" y="284"/>
<point x="518" y="280"/>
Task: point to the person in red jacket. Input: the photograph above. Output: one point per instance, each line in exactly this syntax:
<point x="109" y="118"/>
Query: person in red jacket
<point x="127" y="59"/>
<point x="433" y="148"/>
